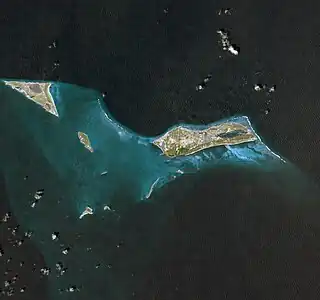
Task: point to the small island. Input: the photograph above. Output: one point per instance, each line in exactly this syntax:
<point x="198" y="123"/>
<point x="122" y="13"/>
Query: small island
<point x="84" y="139"/>
<point x="182" y="141"/>
<point x="39" y="92"/>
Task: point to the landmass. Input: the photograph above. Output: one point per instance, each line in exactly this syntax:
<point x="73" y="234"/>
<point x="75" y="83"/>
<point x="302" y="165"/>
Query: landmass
<point x="39" y="92"/>
<point x="182" y="141"/>
<point x="84" y="139"/>
<point x="87" y="211"/>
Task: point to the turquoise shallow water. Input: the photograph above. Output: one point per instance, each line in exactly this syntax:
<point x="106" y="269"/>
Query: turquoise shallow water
<point x="130" y="160"/>
<point x="41" y="151"/>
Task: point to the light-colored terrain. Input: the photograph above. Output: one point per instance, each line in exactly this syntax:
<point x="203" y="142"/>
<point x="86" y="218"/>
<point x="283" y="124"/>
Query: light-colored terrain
<point x="181" y="141"/>
<point x="84" y="139"/>
<point x="36" y="91"/>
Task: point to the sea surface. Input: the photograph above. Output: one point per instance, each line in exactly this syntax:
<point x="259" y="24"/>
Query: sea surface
<point x="51" y="178"/>
<point x="232" y="231"/>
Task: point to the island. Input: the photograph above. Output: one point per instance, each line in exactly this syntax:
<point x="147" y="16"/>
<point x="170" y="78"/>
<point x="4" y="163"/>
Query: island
<point x="84" y="139"/>
<point x="39" y="92"/>
<point x="182" y="141"/>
